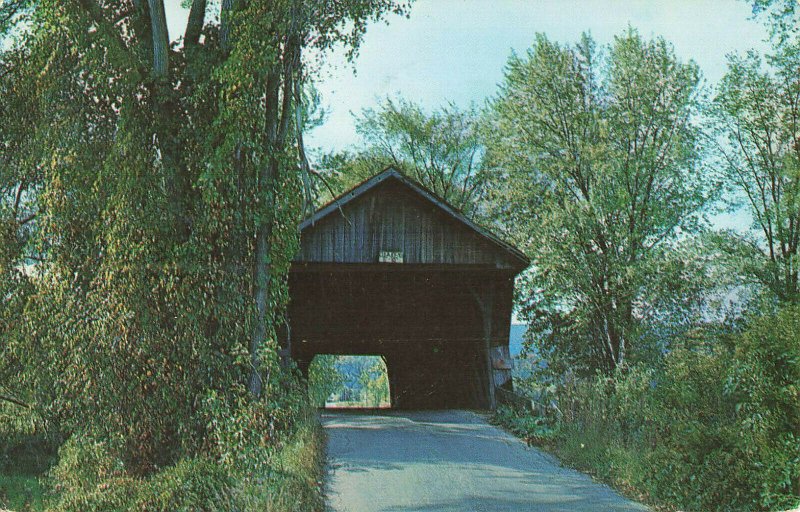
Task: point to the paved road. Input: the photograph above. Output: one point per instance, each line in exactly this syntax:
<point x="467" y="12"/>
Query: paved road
<point x="448" y="460"/>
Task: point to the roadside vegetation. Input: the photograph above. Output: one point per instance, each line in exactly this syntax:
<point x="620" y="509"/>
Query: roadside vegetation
<point x="150" y="188"/>
<point x="149" y="198"/>
<point x="25" y="456"/>
<point x="712" y="427"/>
<point x="663" y="355"/>
<point x="349" y="382"/>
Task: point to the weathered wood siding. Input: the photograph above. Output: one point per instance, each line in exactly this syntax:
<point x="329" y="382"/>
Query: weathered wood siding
<point x="391" y="217"/>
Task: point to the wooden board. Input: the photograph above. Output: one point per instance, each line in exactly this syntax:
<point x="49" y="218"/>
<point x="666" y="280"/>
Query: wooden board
<point x="391" y="218"/>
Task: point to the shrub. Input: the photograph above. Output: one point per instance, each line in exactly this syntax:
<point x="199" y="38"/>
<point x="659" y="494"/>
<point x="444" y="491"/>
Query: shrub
<point x="259" y="455"/>
<point x="534" y="429"/>
<point x="716" y="427"/>
<point x="197" y="484"/>
<point x="764" y="384"/>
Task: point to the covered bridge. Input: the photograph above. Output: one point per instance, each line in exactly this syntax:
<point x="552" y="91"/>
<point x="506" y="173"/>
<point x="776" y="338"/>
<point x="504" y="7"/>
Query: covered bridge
<point x="390" y="269"/>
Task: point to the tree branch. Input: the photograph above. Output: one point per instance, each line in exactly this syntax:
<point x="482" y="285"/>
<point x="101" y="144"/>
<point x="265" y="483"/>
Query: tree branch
<point x="120" y="48"/>
<point x="28" y="218"/>
<point x="18" y="196"/>
<point x="14" y="401"/>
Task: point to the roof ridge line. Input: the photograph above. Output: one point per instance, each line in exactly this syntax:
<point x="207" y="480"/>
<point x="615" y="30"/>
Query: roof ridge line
<point x="391" y="171"/>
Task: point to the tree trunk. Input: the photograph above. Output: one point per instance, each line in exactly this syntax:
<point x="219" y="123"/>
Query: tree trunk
<point x="158" y="21"/>
<point x="226" y="10"/>
<point x="260" y="296"/>
<point x="261" y="272"/>
<point x="197" y="16"/>
<point x="277" y="117"/>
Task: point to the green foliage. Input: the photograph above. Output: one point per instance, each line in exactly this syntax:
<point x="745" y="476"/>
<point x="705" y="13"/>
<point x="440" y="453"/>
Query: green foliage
<point x="196" y="484"/>
<point x="323" y="378"/>
<point x="594" y="161"/>
<point x="294" y="482"/>
<point x="441" y="150"/>
<point x="534" y="429"/>
<point x="26" y="454"/>
<point x="698" y="418"/>
<point x="764" y="383"/>
<point x="260" y="457"/>
<point x="20" y="492"/>
<point x="780" y="16"/>
<point x="353" y="381"/>
<point x="713" y="428"/>
<point x="760" y="161"/>
<point x="375" y="383"/>
<point x="149" y="200"/>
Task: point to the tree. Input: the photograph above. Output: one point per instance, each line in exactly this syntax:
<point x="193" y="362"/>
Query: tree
<point x="780" y="16"/>
<point x="594" y="165"/>
<point x="166" y="182"/>
<point x="323" y="378"/>
<point x="442" y="150"/>
<point x="374" y="382"/>
<point x="757" y="114"/>
<point x="20" y="179"/>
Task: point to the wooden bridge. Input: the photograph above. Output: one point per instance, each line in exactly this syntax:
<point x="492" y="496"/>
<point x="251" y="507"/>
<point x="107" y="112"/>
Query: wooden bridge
<point x="390" y="269"/>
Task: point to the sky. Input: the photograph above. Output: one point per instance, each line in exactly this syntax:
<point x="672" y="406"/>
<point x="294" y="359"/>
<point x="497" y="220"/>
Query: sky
<point x="456" y="50"/>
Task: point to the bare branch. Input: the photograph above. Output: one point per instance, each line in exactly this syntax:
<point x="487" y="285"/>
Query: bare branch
<point x="28" y="218"/>
<point x="18" y="196"/>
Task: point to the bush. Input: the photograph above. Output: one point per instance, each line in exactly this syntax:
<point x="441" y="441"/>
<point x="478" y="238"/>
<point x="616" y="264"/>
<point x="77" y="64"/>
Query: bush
<point x="764" y="384"/>
<point x="91" y="479"/>
<point x="534" y="429"/>
<point x="716" y="427"/>
<point x="259" y="455"/>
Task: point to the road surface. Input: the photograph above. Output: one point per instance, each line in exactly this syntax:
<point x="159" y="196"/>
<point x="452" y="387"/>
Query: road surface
<point x="448" y="460"/>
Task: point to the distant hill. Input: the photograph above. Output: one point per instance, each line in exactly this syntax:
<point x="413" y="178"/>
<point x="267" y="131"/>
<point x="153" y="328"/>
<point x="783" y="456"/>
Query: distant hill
<point x="515" y="338"/>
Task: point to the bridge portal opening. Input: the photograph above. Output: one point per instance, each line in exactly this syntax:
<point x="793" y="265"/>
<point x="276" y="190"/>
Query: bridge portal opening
<point x="349" y="382"/>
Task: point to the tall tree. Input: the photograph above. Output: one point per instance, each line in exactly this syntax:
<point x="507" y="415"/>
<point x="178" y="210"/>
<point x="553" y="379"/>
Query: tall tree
<point x="594" y="163"/>
<point x="781" y="17"/>
<point x="442" y="150"/>
<point x="757" y="110"/>
<point x="166" y="181"/>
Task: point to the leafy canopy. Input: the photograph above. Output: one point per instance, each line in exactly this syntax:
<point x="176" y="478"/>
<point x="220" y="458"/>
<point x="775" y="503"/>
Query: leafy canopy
<point x="756" y="113"/>
<point x="441" y="150"/>
<point x="595" y="167"/>
<point x="149" y="197"/>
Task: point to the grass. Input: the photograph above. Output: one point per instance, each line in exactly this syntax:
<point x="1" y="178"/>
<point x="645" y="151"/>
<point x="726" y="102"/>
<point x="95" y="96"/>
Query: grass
<point x="296" y="485"/>
<point x="589" y="451"/>
<point x="292" y="482"/>
<point x="22" y="466"/>
<point x="25" y="456"/>
<point x="595" y="453"/>
<point x="20" y="492"/>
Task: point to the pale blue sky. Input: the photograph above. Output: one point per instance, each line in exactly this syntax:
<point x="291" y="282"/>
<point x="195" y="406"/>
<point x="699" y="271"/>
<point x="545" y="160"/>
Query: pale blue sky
<point x="455" y="50"/>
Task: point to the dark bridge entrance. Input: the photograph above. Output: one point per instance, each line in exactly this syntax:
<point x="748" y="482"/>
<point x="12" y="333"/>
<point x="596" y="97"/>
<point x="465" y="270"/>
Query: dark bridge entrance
<point x="390" y="269"/>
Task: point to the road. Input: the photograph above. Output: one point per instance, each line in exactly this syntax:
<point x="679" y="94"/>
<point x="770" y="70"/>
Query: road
<point x="448" y="460"/>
